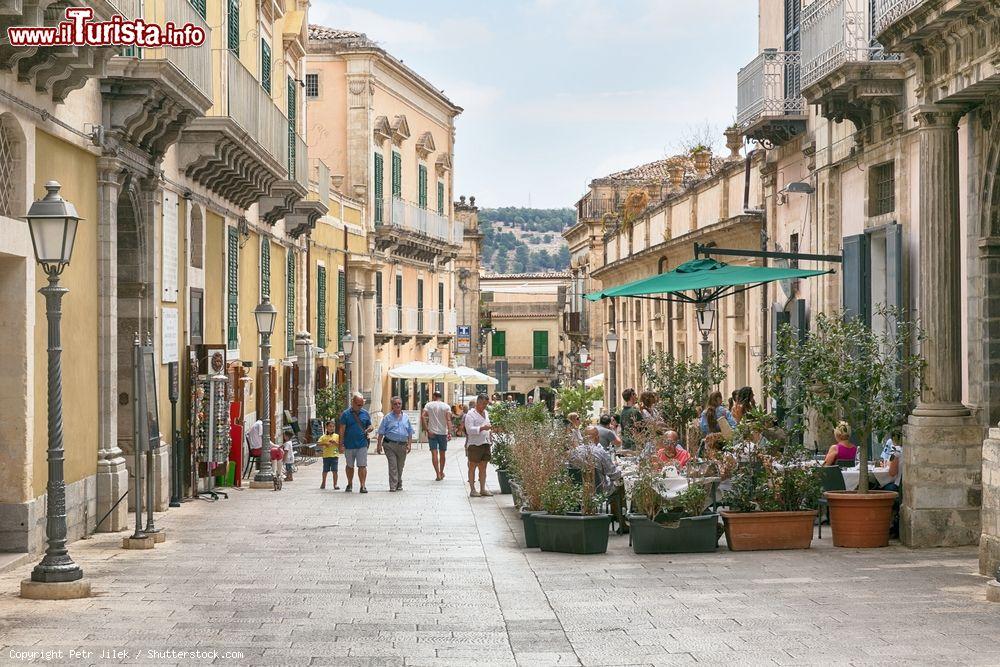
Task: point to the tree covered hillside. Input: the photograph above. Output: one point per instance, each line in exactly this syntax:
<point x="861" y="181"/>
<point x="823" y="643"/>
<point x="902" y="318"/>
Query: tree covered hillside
<point x="525" y="240"/>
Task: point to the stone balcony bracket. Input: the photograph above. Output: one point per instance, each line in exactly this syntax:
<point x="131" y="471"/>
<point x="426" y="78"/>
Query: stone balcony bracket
<point x="281" y="201"/>
<point x="861" y="92"/>
<point x="304" y="217"/>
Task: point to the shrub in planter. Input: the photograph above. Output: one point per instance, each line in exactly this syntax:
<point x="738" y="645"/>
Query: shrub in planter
<point x="500" y="457"/>
<point x="536" y="454"/>
<point x="569" y="524"/>
<point x="677" y="525"/>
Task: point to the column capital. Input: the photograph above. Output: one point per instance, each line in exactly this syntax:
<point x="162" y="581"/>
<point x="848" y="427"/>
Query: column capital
<point x="939" y="116"/>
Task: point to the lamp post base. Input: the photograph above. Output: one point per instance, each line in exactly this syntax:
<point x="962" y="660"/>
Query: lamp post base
<point x="261" y="484"/>
<point x="56" y="573"/>
<point x="139" y="543"/>
<point x="60" y="590"/>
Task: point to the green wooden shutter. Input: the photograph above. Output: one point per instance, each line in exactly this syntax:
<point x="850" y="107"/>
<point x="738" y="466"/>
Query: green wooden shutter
<point x="232" y="26"/>
<point x="397" y="174"/>
<point x="440" y="197"/>
<point x="265" y="65"/>
<point x="499" y="341"/>
<point x="379" y="178"/>
<point x="540" y="350"/>
<point x="232" y="288"/>
<point x="321" y="306"/>
<point x="422" y="186"/>
<point x="341" y="308"/>
<point x="265" y="267"/>
<point x="199" y="5"/>
<point x="290" y="301"/>
<point x="856" y="278"/>
<point x="292" y="110"/>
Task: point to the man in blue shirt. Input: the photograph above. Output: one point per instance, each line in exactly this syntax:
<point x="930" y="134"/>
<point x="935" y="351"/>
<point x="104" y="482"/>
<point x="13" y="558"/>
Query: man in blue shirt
<point x="396" y="433"/>
<point x="354" y="426"/>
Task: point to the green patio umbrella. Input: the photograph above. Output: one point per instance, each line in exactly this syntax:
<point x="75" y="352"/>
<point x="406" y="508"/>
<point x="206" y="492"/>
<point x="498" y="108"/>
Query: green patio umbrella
<point x="709" y="279"/>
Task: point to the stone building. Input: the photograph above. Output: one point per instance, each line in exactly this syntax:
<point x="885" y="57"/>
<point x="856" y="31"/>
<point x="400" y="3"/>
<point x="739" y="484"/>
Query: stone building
<point x="467" y="264"/>
<point x="388" y="135"/>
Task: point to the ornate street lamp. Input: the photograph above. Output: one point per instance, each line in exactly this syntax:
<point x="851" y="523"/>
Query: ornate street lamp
<point x="612" y="342"/>
<point x="265" y="314"/>
<point x="584" y="355"/>
<point x="53" y="222"/>
<point x="347" y="342"/>
<point x="706" y="314"/>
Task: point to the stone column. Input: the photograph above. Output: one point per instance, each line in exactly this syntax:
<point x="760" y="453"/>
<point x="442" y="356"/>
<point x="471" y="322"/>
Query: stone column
<point x="358" y="359"/>
<point x="367" y="340"/>
<point x="112" y="475"/>
<point x="942" y="453"/>
<point x="306" y="354"/>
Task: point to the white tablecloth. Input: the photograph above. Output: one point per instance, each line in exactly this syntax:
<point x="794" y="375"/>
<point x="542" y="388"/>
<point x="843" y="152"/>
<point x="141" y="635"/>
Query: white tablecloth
<point x="852" y="475"/>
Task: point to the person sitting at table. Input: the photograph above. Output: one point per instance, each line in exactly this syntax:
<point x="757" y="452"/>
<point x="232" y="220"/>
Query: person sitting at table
<point x="590" y="455"/>
<point x="574" y="428"/>
<point x="647" y="406"/>
<point x="892" y="456"/>
<point x="842" y="450"/>
<point x="609" y="439"/>
<point x="714" y="414"/>
<point x="670" y="453"/>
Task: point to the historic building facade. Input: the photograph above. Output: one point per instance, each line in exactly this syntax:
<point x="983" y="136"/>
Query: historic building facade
<point x="387" y="135"/>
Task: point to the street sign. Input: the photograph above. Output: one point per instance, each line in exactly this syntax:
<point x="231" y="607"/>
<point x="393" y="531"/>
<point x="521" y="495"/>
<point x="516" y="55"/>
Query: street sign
<point x="463" y="339"/>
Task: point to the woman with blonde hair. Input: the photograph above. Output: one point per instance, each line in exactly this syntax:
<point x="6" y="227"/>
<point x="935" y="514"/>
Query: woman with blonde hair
<point x="842" y="450"/>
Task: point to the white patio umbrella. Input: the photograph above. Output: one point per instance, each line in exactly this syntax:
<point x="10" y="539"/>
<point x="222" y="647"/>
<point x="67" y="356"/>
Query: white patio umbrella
<point x="594" y="381"/>
<point x="423" y="370"/>
<point x="472" y="376"/>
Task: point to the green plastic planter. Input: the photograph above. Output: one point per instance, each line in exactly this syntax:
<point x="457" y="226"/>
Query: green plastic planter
<point x="691" y="535"/>
<point x="504" y="480"/>
<point x="573" y="533"/>
<point x="530" y="532"/>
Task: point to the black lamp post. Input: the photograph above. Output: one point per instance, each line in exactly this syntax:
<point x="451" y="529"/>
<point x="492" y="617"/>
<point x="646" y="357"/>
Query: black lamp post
<point x="53" y="223"/>
<point x="347" y="342"/>
<point x="265" y="314"/>
<point x="612" y="341"/>
<point x="706" y="313"/>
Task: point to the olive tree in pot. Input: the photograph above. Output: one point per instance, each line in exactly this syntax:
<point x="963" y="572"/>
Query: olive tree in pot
<point x="537" y="454"/>
<point x="677" y="525"/>
<point x="868" y="378"/>
<point x="681" y="385"/>
<point x="774" y="496"/>
<point x="577" y="398"/>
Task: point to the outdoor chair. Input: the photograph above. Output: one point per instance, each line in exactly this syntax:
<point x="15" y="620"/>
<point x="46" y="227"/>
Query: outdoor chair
<point x="846" y="463"/>
<point x="832" y="479"/>
<point x="249" y="460"/>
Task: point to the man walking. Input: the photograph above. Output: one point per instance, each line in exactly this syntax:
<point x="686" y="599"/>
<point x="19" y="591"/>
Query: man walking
<point x="436" y="419"/>
<point x="354" y="426"/>
<point x="477" y="429"/>
<point x="396" y="433"/>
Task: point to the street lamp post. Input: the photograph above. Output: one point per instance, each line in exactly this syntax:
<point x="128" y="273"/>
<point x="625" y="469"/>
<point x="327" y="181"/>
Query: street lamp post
<point x="706" y="322"/>
<point x="348" y="344"/>
<point x="53" y="222"/>
<point x="265" y="315"/>
<point x="584" y="361"/>
<point x="612" y="341"/>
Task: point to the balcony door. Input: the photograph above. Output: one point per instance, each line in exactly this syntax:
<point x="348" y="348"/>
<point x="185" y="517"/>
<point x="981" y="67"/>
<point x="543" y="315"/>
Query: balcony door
<point x="793" y="44"/>
<point x="540" y="350"/>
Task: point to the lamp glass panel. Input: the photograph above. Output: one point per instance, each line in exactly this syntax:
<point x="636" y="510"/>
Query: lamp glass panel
<point x="48" y="235"/>
<point x="265" y="320"/>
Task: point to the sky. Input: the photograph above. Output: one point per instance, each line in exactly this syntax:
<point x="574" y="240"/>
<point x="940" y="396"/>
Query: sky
<point x="559" y="92"/>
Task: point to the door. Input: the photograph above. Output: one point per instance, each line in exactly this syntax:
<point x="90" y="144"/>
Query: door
<point x="540" y="350"/>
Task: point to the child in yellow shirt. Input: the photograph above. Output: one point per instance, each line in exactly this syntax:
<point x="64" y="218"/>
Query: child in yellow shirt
<point x="330" y="442"/>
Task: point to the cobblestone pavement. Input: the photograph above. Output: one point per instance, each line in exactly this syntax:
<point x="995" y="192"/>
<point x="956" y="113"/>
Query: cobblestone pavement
<point x="431" y="577"/>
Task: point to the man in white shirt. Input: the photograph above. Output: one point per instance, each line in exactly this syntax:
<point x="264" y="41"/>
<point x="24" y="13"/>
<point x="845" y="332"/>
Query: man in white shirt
<point x="436" y="419"/>
<point x="255" y="435"/>
<point x="477" y="429"/>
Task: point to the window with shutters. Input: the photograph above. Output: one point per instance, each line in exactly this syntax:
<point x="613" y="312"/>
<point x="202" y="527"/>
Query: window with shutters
<point x="498" y="344"/>
<point x="422" y="186"/>
<point x="540" y="350"/>
<point x="378" y="301"/>
<point x="199" y="5"/>
<point x="321" y="306"/>
<point x="312" y="86"/>
<point x="232" y="26"/>
<point x="420" y="305"/>
<point x="232" y="288"/>
<point x="292" y="94"/>
<point x="440" y="197"/>
<point x="379" y="194"/>
<point x="882" y="189"/>
<point x="265" y="268"/>
<point x="341" y="308"/>
<point x="290" y="301"/>
<point x="793" y="43"/>
<point x="441" y="307"/>
<point x="397" y="175"/>
<point x="399" y="290"/>
<point x="265" y="65"/>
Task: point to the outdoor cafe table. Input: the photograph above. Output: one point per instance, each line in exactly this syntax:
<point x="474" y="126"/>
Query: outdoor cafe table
<point x="670" y="484"/>
<point x="852" y="475"/>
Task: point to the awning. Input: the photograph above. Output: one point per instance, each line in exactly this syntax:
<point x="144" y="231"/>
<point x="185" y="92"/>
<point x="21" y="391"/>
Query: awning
<point x="422" y="370"/>
<point x="594" y="381"/>
<point x="709" y="279"/>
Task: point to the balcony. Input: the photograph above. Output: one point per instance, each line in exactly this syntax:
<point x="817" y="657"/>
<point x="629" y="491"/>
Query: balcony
<point x="574" y="325"/>
<point x="446" y="323"/>
<point x="542" y="365"/>
<point x="770" y="106"/>
<point x="150" y="100"/>
<point x="887" y="12"/>
<point x="596" y="208"/>
<point x="239" y="150"/>
<point x="844" y="70"/>
<point x="415" y="231"/>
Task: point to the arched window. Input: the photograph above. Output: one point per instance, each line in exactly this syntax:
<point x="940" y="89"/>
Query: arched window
<point x="197" y="238"/>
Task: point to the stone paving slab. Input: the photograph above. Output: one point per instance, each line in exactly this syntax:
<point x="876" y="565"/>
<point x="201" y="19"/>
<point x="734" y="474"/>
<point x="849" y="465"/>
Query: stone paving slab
<point x="431" y="577"/>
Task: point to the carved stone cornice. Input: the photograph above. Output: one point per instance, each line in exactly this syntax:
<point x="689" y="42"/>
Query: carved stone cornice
<point x="400" y="129"/>
<point x="861" y="92"/>
<point x="381" y="131"/>
<point x="425" y="145"/>
<point x="443" y="164"/>
<point x="280" y="201"/>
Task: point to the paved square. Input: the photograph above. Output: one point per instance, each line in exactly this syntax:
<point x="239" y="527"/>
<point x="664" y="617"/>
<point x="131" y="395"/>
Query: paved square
<point x="431" y="577"/>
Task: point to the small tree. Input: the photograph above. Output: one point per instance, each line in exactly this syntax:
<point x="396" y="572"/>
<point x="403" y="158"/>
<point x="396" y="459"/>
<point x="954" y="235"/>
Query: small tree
<point x="845" y="370"/>
<point x="578" y="398"/>
<point x="331" y="401"/>
<point x="682" y="385"/>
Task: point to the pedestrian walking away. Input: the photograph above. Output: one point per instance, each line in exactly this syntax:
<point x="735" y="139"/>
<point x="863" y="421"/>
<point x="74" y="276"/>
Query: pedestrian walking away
<point x="395" y="433"/>
<point x="477" y="429"/>
<point x="330" y="444"/>
<point x="355" y="425"/>
<point x="436" y="419"/>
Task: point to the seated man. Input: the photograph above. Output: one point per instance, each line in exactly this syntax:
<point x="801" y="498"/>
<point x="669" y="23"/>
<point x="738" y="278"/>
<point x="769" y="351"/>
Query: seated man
<point x="606" y="434"/>
<point x="670" y="453"/>
<point x="591" y="455"/>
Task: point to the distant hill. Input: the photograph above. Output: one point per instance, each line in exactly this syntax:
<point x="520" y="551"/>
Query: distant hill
<point x="525" y="240"/>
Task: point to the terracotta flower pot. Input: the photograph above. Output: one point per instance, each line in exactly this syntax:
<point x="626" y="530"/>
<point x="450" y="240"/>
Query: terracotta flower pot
<point x="860" y="520"/>
<point x="760" y="531"/>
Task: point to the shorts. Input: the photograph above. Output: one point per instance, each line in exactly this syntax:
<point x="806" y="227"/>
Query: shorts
<point x="478" y="453"/>
<point x="277" y="454"/>
<point x="438" y="442"/>
<point x="330" y="463"/>
<point x="356" y="458"/>
<point x="289" y="468"/>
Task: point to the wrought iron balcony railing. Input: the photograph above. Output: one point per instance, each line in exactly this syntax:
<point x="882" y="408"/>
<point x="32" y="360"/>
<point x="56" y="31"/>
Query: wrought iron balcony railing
<point x="406" y="215"/>
<point x="835" y="32"/>
<point x="888" y="12"/>
<point x="769" y="86"/>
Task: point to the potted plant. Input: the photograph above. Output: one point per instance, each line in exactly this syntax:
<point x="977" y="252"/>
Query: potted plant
<point x="537" y="454"/>
<point x="500" y="458"/>
<point x="774" y="497"/>
<point x="681" y="385"/>
<point x="579" y="399"/>
<point x="677" y="525"/>
<point x="869" y="379"/>
<point x="503" y="417"/>
<point x="571" y="523"/>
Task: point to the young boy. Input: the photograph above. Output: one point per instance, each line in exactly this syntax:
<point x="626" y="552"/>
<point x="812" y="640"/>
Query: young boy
<point x="289" y="457"/>
<point x="330" y="442"/>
